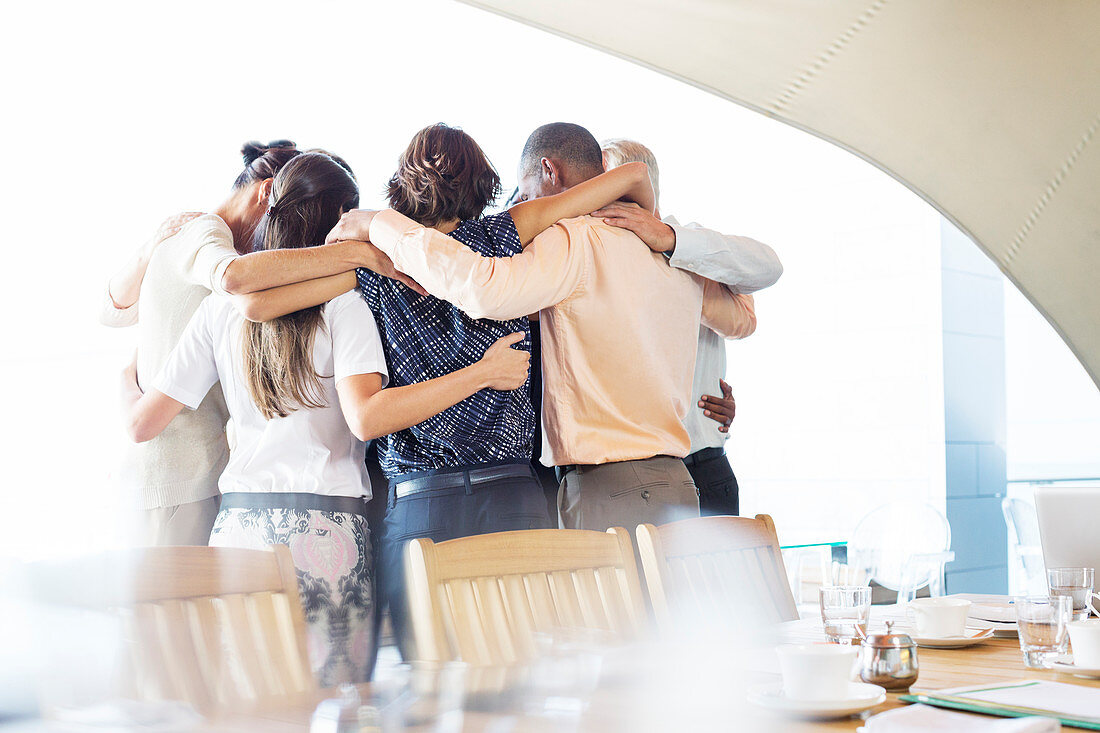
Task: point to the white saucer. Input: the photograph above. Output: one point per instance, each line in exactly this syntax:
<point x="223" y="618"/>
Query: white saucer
<point x="1092" y="673"/>
<point x="860" y="697"/>
<point x="950" y="642"/>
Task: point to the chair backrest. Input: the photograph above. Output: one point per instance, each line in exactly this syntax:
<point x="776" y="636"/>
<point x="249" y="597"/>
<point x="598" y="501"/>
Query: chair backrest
<point x="729" y="566"/>
<point x="1027" y="546"/>
<point x="1022" y="521"/>
<point x="899" y="541"/>
<point x="220" y="628"/>
<point x="483" y="599"/>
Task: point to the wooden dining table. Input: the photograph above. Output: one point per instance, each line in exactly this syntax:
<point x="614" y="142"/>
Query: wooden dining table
<point x="621" y="707"/>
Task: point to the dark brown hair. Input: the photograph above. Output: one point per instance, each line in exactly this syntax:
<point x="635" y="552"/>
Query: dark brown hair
<point x="307" y="197"/>
<point x="264" y="161"/>
<point x="443" y="175"/>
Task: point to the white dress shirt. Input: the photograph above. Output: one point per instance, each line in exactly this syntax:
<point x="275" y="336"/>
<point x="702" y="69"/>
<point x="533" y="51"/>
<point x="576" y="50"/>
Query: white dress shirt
<point x="744" y="266"/>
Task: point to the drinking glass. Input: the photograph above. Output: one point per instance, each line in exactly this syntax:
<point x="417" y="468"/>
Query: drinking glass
<point x="1041" y="621"/>
<point x="845" y="610"/>
<point x="1077" y="583"/>
<point x="425" y="694"/>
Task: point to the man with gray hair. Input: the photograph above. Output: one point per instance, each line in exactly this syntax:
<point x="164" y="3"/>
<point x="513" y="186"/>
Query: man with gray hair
<point x="741" y="264"/>
<point x="617" y="371"/>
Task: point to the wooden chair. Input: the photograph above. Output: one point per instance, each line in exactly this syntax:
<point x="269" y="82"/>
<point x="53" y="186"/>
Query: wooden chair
<point x="482" y="599"/>
<point x="729" y="566"/>
<point x="220" y="628"/>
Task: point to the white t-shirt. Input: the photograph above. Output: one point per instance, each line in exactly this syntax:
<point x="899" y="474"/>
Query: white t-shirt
<point x="311" y="450"/>
<point x="183" y="463"/>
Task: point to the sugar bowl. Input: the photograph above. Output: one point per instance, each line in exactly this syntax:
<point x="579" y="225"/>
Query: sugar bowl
<point x="889" y="660"/>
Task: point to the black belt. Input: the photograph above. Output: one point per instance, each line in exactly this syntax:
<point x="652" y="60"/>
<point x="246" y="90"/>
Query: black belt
<point x="460" y="478"/>
<point x="294" y="500"/>
<point x="703" y="455"/>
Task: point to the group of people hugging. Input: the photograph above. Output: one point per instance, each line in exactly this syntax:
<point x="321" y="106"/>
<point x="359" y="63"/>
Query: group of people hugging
<point x="429" y="370"/>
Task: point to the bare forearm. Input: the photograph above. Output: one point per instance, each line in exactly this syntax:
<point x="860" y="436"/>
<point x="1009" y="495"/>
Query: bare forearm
<point x="266" y="305"/>
<point x="398" y="408"/>
<point x="125" y="285"/>
<point x="630" y="181"/>
<point x="129" y="391"/>
<point x="133" y="416"/>
<point x="271" y="269"/>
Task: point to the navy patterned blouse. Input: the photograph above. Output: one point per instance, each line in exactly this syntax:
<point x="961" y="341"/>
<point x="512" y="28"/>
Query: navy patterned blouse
<point x="425" y="338"/>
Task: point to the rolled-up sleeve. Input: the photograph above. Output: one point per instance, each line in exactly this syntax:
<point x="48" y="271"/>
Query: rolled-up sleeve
<point x="113" y="316"/>
<point x="730" y="315"/>
<point x="548" y="271"/>
<point x="742" y="264"/>
<point x="207" y="264"/>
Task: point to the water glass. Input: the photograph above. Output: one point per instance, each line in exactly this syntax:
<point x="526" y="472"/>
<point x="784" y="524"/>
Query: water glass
<point x="427" y="694"/>
<point x="1077" y="583"/>
<point x="845" y="611"/>
<point x="565" y="672"/>
<point x="1041" y="621"/>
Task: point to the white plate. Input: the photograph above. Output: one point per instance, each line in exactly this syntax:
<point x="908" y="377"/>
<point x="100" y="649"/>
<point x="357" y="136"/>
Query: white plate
<point x="1092" y="673"/>
<point x="860" y="697"/>
<point x="951" y="642"/>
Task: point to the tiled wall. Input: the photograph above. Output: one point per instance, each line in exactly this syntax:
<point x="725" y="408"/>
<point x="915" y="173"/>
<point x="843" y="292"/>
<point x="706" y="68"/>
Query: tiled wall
<point x="974" y="414"/>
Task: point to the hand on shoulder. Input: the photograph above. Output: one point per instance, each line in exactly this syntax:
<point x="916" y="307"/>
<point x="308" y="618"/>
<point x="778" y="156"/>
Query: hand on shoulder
<point x="657" y="235"/>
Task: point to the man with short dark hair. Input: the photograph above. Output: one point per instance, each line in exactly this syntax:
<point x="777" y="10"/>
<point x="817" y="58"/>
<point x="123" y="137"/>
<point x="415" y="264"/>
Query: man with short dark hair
<point x="619" y="334"/>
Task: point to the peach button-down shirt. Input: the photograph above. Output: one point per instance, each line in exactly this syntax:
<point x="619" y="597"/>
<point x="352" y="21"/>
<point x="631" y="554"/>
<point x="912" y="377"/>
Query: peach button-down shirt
<point x="619" y="327"/>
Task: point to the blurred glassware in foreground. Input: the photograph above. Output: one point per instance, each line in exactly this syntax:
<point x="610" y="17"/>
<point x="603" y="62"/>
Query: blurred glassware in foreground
<point x="429" y="694"/>
<point x="565" y="672"/>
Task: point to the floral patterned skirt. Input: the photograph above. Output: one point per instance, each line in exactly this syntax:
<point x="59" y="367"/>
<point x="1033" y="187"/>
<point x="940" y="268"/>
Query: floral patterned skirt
<point x="330" y="544"/>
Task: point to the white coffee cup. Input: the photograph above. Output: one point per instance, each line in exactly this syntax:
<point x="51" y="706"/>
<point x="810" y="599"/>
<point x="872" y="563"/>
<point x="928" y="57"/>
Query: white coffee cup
<point x="816" y="671"/>
<point x="938" y="618"/>
<point x="1084" y="638"/>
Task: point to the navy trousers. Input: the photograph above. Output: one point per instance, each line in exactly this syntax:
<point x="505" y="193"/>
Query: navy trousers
<point x="710" y="470"/>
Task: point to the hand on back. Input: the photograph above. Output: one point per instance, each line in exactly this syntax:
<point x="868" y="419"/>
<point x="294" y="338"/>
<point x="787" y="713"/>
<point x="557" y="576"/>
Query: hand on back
<point x="720" y="409"/>
<point x="354" y="227"/>
<point x="505" y="368"/>
<point x="170" y="227"/>
<point x="657" y="235"/>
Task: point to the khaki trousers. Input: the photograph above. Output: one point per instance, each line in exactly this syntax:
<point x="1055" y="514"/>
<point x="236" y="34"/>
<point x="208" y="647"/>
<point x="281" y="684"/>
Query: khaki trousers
<point x="181" y="524"/>
<point x="656" y="490"/>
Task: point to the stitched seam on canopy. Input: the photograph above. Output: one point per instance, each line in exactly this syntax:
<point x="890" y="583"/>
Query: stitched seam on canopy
<point x="1048" y="193"/>
<point x="831" y="51"/>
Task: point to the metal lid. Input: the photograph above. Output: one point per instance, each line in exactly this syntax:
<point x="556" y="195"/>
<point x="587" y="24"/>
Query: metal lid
<point x="889" y="640"/>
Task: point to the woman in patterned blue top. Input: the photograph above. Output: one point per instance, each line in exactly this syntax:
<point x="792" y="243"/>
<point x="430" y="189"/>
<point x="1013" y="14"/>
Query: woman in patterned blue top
<point x="466" y="470"/>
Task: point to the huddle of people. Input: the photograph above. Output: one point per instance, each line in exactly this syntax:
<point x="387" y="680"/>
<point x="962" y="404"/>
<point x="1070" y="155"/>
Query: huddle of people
<point x="575" y="330"/>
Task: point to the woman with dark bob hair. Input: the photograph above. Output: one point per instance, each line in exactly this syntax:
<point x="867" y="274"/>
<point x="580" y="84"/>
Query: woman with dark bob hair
<point x="467" y="470"/>
<point x="305" y="391"/>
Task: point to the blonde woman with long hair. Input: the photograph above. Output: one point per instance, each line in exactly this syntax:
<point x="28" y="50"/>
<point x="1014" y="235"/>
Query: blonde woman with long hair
<point x="305" y="391"/>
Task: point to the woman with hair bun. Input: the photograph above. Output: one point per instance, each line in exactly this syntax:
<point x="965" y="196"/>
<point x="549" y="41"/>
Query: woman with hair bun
<point x="174" y="478"/>
<point x="467" y="470"/>
<point x="305" y="391"/>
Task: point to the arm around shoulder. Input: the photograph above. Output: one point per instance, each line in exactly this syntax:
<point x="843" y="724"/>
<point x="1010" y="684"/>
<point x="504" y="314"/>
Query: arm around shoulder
<point x="500" y="288"/>
<point x="740" y="263"/>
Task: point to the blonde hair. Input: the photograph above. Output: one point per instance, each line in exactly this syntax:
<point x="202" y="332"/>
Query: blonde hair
<point x="618" y="151"/>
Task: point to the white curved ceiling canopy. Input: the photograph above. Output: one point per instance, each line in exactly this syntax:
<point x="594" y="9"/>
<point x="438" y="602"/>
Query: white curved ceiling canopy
<point x="989" y="109"/>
